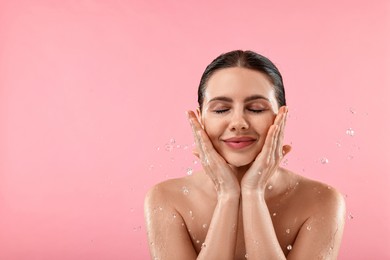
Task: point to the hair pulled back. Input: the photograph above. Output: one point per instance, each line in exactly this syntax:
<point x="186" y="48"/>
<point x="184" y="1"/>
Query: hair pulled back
<point x="244" y="59"/>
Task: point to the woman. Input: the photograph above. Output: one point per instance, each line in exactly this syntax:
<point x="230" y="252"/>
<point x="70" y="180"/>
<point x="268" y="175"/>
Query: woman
<point x="242" y="205"/>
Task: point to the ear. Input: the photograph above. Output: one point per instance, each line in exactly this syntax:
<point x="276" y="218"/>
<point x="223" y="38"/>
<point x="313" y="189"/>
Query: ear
<point x="199" y="115"/>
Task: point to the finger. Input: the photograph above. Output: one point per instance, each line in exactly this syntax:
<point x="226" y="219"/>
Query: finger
<point x="207" y="147"/>
<point x="195" y="125"/>
<point x="267" y="147"/>
<point x="275" y="149"/>
<point x="196" y="130"/>
<point x="203" y="142"/>
<point x="280" y="135"/>
<point x="275" y="142"/>
<point x="279" y="117"/>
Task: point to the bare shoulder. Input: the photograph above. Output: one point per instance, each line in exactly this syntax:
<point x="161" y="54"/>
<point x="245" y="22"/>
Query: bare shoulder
<point x="322" y="196"/>
<point x="316" y="199"/>
<point x="167" y="234"/>
<point x="174" y="193"/>
<point x="165" y="192"/>
<point x="322" y="208"/>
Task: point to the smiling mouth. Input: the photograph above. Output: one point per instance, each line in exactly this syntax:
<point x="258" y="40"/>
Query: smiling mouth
<point x="239" y="143"/>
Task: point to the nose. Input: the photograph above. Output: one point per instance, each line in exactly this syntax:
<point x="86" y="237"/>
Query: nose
<point x="238" y="122"/>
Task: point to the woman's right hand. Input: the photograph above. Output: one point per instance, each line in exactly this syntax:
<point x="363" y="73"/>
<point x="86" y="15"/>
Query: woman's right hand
<point x="218" y="170"/>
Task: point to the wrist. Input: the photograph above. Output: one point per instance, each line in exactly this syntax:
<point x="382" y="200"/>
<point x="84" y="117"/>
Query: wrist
<point x="251" y="192"/>
<point x="229" y="197"/>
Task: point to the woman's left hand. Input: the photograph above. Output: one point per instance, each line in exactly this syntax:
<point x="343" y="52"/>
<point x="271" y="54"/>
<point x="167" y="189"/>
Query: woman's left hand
<point x="268" y="160"/>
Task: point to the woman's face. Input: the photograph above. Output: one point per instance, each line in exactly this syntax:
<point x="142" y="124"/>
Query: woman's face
<point x="238" y="109"/>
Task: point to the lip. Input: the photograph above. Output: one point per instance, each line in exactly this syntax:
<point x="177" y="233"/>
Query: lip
<point x="239" y="142"/>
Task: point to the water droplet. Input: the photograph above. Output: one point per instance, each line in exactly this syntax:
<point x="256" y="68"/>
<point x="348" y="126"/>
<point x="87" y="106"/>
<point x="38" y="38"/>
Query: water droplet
<point x="151" y="167"/>
<point x="270" y="187"/>
<point x="189" y="171"/>
<point x="288" y="231"/>
<point x="135" y="229"/>
<point x="350" y="132"/>
<point x="195" y="161"/>
<point x="285" y="162"/>
<point x="289" y="247"/>
<point x="172" y="141"/>
<point x="274" y="214"/>
<point x="308" y="228"/>
<point x="352" y="110"/>
<point x="185" y="147"/>
<point x="259" y="173"/>
<point x="174" y="215"/>
<point x="168" y="147"/>
<point x="191" y="214"/>
<point x="234" y="227"/>
<point x="338" y="144"/>
<point x="204" y="226"/>
<point x="205" y="161"/>
<point x="178" y="146"/>
<point x="203" y="245"/>
<point x="185" y="191"/>
<point x="350" y="216"/>
<point x="197" y="241"/>
<point x="182" y="224"/>
<point x="160" y="208"/>
<point x="246" y="256"/>
<point x="158" y="148"/>
<point x="324" y="160"/>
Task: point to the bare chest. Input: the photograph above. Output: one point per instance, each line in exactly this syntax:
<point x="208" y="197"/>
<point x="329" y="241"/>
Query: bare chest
<point x="286" y="220"/>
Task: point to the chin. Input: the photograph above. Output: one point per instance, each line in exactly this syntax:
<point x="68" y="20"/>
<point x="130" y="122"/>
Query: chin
<point x="239" y="160"/>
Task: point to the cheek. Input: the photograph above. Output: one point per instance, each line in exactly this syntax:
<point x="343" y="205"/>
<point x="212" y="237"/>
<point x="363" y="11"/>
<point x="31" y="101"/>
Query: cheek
<point x="261" y="125"/>
<point x="211" y="127"/>
<point x="214" y="128"/>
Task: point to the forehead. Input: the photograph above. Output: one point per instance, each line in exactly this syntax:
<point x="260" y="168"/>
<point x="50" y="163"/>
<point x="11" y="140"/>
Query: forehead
<point x="239" y="83"/>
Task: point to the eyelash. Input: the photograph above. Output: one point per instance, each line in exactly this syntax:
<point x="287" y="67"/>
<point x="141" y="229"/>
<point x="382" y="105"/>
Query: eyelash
<point x="220" y="111"/>
<point x="257" y="111"/>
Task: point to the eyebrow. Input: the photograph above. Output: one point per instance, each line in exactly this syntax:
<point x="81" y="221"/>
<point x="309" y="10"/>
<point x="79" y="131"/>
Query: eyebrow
<point x="247" y="99"/>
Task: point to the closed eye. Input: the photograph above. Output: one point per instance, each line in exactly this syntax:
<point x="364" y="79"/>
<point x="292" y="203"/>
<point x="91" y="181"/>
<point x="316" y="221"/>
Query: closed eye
<point x="220" y="111"/>
<point x="256" y="110"/>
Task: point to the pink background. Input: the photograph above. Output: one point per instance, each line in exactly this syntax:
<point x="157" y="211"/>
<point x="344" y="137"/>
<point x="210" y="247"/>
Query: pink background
<point x="93" y="91"/>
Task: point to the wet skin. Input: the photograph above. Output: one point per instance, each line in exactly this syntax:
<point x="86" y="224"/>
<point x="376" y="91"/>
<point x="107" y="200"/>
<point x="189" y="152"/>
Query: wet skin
<point x="242" y="202"/>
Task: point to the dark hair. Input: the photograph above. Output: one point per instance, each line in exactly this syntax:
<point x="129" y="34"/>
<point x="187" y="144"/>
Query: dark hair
<point x="245" y="59"/>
